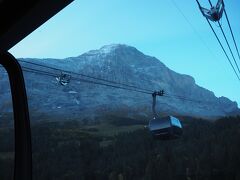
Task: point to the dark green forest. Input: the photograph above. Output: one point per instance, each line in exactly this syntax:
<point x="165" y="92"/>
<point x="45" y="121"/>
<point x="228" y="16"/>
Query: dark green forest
<point x="73" y="151"/>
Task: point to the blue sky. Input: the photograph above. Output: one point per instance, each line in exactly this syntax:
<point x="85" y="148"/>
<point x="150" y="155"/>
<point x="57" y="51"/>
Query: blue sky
<point x="155" y="27"/>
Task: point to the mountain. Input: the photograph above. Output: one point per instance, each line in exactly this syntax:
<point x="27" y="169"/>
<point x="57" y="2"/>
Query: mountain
<point x="123" y="64"/>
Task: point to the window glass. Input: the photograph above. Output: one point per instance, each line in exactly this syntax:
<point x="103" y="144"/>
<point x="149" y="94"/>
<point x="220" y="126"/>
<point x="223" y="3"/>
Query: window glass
<point x="176" y="122"/>
<point x="6" y="128"/>
<point x="90" y="72"/>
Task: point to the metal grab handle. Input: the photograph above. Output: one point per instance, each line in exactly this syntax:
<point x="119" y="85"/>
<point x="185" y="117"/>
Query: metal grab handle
<point x="23" y="147"/>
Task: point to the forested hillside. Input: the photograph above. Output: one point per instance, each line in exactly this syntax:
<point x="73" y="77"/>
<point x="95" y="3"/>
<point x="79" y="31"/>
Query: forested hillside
<point x="71" y="150"/>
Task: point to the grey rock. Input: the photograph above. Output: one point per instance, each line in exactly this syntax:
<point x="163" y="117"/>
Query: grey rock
<point x="122" y="64"/>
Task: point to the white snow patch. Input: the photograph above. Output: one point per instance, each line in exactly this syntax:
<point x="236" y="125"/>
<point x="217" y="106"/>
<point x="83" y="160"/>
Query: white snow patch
<point x="109" y="48"/>
<point x="72" y="92"/>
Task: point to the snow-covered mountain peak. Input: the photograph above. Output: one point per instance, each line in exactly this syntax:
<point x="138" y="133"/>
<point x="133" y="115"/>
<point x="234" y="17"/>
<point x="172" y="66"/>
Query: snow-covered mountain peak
<point x="123" y="64"/>
<point x="112" y="49"/>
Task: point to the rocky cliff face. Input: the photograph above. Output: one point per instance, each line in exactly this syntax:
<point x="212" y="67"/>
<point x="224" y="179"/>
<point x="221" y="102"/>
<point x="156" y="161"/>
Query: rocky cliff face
<point x="122" y="64"/>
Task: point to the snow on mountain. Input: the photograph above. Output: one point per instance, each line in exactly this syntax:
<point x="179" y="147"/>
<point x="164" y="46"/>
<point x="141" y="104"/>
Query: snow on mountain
<point x="123" y="64"/>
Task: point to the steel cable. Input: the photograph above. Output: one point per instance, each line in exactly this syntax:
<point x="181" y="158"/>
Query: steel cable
<point x="84" y="75"/>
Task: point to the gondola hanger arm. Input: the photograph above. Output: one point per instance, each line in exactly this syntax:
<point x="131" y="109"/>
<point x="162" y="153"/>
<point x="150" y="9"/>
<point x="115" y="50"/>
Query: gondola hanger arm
<point x="154" y="95"/>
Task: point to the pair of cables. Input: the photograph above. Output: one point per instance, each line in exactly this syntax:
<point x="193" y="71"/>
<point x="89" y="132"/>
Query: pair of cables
<point x="97" y="81"/>
<point x="235" y="66"/>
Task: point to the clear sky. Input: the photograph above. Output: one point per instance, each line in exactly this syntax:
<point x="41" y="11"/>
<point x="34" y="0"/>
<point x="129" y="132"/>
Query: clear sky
<point x="155" y="27"/>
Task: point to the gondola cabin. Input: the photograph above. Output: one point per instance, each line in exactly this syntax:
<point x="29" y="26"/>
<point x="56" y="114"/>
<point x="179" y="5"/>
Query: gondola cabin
<point x="64" y="79"/>
<point x="165" y="128"/>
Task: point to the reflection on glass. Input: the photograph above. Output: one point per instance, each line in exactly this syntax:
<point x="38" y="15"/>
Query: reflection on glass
<point x="175" y="122"/>
<point x="158" y="123"/>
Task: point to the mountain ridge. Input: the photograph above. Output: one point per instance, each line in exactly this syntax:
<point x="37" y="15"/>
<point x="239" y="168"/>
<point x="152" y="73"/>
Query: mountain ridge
<point x="121" y="63"/>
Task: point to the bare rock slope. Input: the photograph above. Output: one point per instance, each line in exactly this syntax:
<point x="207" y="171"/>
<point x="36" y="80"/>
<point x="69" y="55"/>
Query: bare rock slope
<point x="123" y="64"/>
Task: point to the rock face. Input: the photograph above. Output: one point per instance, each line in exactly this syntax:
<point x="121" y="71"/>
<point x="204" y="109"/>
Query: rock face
<point x="119" y="63"/>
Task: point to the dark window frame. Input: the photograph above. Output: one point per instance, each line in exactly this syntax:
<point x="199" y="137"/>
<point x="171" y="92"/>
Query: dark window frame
<point x="23" y="147"/>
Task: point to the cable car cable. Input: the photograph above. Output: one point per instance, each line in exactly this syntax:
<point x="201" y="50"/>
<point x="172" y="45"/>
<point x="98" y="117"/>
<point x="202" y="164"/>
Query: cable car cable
<point x="210" y="3"/>
<point x="193" y="28"/>
<point x="220" y="44"/>
<point x="40" y="72"/>
<point x="223" y="50"/>
<point x="187" y="99"/>
<point x="229" y="25"/>
<point x="82" y="80"/>
<point x="87" y="81"/>
<point x="220" y="25"/>
<point x="84" y="75"/>
<point x="183" y="98"/>
<point x="230" y="49"/>
<point x="27" y="69"/>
